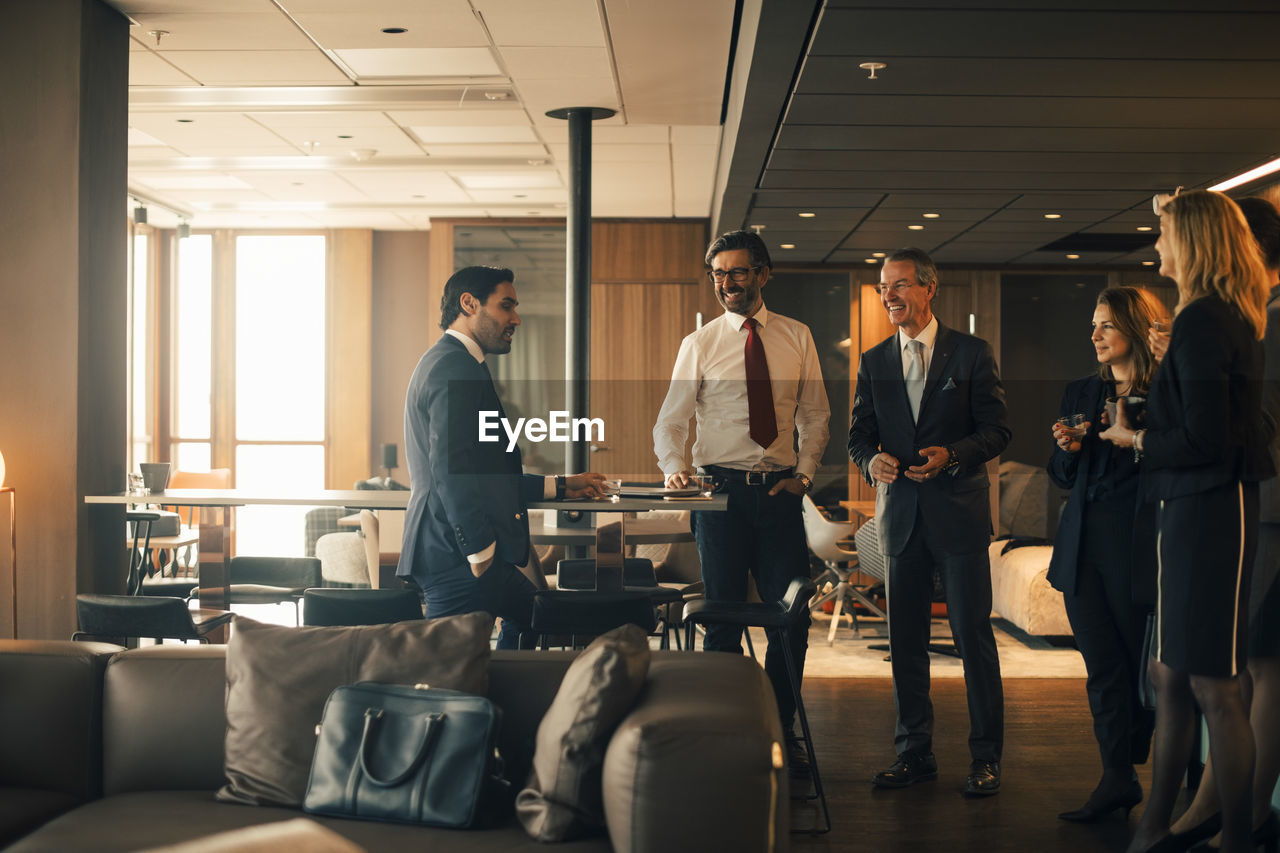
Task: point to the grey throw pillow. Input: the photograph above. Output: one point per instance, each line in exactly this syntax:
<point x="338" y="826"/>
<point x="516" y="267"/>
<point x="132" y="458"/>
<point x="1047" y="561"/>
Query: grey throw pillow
<point x="278" y="679"/>
<point x="563" y="798"/>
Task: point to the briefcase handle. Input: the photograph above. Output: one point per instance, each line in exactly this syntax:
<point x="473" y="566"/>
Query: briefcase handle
<point x="373" y="716"/>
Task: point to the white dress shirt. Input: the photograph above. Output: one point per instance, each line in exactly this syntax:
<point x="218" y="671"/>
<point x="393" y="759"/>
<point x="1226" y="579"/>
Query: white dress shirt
<point x="548" y="483"/>
<point x="928" y="336"/>
<point x="709" y="381"/>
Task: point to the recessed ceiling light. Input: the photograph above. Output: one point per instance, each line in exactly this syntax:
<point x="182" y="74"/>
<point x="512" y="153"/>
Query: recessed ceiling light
<point x="394" y="31"/>
<point x="1144" y="227"/>
<point x="931" y="215"/>
<point x="521" y="195"/>
<point x="420" y="195"/>
<point x="877" y="254"/>
<point x="870" y="260"/>
<point x="1148" y="263"/>
<point x="1053" y="216"/>
<point x="806" y="215"/>
<point x="1073" y="257"/>
<point x="185" y="120"/>
<point x="787" y="246"/>
<point x="915" y="227"/>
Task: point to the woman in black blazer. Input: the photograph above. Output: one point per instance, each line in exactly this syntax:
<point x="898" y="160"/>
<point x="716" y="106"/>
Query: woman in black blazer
<point x="1203" y="452"/>
<point x="1092" y="563"/>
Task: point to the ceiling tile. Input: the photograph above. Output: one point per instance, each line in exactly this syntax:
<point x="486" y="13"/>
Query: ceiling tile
<point x="523" y="196"/>
<point x="619" y="153"/>
<point x="339" y="119"/>
<point x="480" y="151"/>
<point x="257" y="67"/>
<point x="437" y="135"/>
<point x="266" y="29"/>
<point x="505" y="180"/>
<point x="422" y="62"/>
<point x="148" y="69"/>
<point x="556" y="63"/>
<point x="189" y="181"/>
<point x="547" y="22"/>
<point x="444" y="25"/>
<point x="474" y="117"/>
<point x="541" y="96"/>
<point x="437" y="187"/>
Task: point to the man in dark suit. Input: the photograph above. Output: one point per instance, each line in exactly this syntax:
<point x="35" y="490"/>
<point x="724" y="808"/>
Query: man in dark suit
<point x="466" y="530"/>
<point x="928" y="413"/>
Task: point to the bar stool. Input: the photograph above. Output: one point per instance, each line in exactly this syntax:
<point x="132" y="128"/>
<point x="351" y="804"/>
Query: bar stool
<point x="781" y="616"/>
<point x="126" y="617"/>
<point x="583" y="614"/>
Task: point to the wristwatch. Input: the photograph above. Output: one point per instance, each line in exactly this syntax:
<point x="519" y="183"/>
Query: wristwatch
<point x="953" y="461"/>
<point x="561" y="486"/>
<point x="805" y="481"/>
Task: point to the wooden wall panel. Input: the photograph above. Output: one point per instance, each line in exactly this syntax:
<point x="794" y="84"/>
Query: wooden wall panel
<point x="348" y="360"/>
<point x="647" y="250"/>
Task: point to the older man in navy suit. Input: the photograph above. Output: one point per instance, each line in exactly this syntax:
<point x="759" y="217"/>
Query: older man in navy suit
<point x="928" y="412"/>
<point x="466" y="531"/>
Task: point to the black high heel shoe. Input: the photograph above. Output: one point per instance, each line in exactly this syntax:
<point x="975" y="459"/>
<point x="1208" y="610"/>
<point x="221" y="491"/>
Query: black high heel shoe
<point x="1202" y="831"/>
<point x="1266" y="836"/>
<point x="1103" y="803"/>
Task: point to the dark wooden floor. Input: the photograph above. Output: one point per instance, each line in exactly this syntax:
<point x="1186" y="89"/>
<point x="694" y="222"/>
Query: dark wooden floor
<point x="1050" y="765"/>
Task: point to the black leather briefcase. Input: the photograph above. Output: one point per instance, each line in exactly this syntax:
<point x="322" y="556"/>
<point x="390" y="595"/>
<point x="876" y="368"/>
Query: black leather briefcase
<point x="407" y="754"/>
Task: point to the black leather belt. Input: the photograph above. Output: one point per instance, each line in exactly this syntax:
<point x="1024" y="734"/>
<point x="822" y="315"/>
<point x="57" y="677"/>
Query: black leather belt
<point x="751" y="478"/>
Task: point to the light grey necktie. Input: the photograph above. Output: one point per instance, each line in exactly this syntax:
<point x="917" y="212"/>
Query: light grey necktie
<point x="915" y="376"/>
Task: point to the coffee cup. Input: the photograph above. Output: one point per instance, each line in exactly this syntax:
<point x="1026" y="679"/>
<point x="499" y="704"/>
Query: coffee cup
<point x="155" y="475"/>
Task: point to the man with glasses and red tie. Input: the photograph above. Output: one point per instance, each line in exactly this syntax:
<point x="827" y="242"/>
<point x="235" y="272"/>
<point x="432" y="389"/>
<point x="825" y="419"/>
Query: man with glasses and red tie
<point x="752" y="379"/>
<point x="928" y="412"/>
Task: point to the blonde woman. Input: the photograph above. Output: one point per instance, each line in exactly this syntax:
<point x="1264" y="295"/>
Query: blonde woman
<point x="1202" y="453"/>
<point x="1107" y="593"/>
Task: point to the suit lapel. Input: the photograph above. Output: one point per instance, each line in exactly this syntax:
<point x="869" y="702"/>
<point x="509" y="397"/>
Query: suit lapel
<point x="943" y="347"/>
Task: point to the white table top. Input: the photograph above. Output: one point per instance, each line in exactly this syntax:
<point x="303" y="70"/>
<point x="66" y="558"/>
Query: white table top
<point x="375" y="499"/>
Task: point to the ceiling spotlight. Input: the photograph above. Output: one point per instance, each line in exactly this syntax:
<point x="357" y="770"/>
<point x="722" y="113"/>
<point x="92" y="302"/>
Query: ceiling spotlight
<point x="915" y="227"/>
<point x="1144" y="227"/>
<point x="931" y="215"/>
<point x="757" y="228"/>
<point x="877" y="254"/>
<point x="806" y="215"/>
<point x="184" y="229"/>
<point x="1053" y="216"/>
<point x="139" y="214"/>
<point x="1148" y="263"/>
<point x="872" y="67"/>
<point x="1073" y="257"/>
<point x="363" y="154"/>
<point x="157" y="35"/>
<point x="394" y="31"/>
<point x="786" y="245"/>
<point x="870" y="260"/>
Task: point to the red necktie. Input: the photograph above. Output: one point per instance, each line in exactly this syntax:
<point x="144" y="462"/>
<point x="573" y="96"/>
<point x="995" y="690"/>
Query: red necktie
<point x="763" y="422"/>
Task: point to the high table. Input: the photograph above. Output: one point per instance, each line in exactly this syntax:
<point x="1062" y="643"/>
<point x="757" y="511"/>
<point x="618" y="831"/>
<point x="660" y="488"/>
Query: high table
<point x="608" y="532"/>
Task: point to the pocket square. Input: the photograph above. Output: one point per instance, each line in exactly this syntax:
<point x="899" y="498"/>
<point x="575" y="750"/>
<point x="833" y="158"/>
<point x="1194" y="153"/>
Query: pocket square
<point x="949" y="384"/>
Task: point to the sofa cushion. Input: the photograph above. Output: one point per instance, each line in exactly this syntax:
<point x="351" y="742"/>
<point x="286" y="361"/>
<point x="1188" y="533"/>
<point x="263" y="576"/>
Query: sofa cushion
<point x="23" y="809"/>
<point x="279" y="677"/>
<point x="563" y="796"/>
<point x="1021" y="594"/>
<point x="298" y="835"/>
<point x="137" y="821"/>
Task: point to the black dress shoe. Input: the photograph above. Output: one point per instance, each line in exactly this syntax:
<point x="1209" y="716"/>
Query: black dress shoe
<point x="1104" y="801"/>
<point x="797" y="759"/>
<point x="983" y="780"/>
<point x="910" y="768"/>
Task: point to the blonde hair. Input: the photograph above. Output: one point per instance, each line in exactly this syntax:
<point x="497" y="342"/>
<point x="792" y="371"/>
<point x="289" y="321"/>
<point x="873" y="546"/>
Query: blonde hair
<point x="1215" y="253"/>
<point x="1133" y="310"/>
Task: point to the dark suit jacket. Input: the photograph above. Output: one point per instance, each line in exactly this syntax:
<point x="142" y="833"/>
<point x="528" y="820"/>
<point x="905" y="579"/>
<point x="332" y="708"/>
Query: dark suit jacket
<point x="1270" y="489"/>
<point x="466" y="494"/>
<point x="1071" y="471"/>
<point x="1204" y="414"/>
<point x="962" y="408"/>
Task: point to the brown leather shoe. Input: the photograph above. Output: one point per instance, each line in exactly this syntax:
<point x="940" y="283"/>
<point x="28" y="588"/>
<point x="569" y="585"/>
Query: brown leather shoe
<point x="984" y="779"/>
<point x="910" y="768"/>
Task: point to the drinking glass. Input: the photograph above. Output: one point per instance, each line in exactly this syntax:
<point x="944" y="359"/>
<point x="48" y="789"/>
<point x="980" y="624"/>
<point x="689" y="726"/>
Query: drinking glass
<point x="705" y="484"/>
<point x="1074" y="424"/>
<point x="612" y="489"/>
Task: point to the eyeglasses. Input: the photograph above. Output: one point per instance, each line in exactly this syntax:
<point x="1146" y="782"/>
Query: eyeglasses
<point x="896" y="289"/>
<point x="1159" y="200"/>
<point x="737" y="274"/>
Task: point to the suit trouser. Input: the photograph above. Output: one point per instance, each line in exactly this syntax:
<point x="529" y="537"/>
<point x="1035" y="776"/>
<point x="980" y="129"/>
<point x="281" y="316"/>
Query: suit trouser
<point x="1108" y="628"/>
<point x="967" y="581"/>
<point x="762" y="535"/>
<point x="501" y="591"/>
